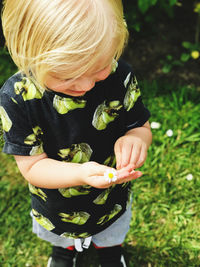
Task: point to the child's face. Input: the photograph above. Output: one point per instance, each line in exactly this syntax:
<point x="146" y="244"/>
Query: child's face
<point x="79" y="86"/>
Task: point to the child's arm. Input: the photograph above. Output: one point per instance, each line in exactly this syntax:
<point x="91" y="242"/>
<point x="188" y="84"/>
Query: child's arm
<point x="131" y="149"/>
<point x="44" y="172"/>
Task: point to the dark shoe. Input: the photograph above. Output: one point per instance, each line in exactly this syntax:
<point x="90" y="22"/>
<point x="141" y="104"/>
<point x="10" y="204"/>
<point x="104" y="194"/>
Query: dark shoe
<point x="122" y="263"/>
<point x="111" y="257"/>
<point x="62" y="258"/>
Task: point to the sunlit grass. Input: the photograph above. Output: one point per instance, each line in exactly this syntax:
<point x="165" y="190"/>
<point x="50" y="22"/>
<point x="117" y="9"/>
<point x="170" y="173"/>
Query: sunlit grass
<point x="165" y="227"/>
<point x="166" y="210"/>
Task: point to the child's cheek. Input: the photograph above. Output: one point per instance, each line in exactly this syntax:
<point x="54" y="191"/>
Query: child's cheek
<point x="104" y="74"/>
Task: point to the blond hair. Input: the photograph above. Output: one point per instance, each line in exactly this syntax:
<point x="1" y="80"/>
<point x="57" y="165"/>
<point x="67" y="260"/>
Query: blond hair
<point x="62" y="36"/>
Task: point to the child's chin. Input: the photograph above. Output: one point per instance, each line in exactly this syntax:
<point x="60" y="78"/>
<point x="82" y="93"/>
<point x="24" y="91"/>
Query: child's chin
<point x="75" y="93"/>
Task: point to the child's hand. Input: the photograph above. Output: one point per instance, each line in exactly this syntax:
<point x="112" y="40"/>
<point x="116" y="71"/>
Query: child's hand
<point x="131" y="149"/>
<point x="94" y="175"/>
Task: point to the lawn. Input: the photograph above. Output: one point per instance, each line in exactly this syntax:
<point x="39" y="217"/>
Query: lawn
<point x="166" y="207"/>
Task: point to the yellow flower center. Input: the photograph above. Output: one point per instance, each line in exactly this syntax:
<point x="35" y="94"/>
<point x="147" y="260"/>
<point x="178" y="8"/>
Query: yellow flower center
<point x="195" y="54"/>
<point x="110" y="175"/>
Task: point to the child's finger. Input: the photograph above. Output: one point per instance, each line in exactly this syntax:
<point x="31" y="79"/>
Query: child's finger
<point x="135" y="155"/>
<point x="125" y="171"/>
<point x="118" y="156"/>
<point x="136" y="174"/>
<point x="132" y="176"/>
<point x="142" y="158"/>
<point x="123" y="174"/>
<point x="126" y="154"/>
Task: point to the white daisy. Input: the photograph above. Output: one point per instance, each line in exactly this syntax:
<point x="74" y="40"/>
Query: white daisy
<point x="110" y="175"/>
<point x="155" y="125"/>
<point x="189" y="177"/>
<point x="169" y="132"/>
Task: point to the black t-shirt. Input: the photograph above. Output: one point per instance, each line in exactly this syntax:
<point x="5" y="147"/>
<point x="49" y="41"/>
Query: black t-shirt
<point x="73" y="129"/>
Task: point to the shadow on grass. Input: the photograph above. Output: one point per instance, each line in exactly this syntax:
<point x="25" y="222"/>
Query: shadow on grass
<point x="88" y="258"/>
<point x="141" y="256"/>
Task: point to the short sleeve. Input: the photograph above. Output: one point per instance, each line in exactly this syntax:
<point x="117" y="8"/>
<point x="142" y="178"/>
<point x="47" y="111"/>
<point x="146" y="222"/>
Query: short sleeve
<point x="135" y="113"/>
<point x="20" y="137"/>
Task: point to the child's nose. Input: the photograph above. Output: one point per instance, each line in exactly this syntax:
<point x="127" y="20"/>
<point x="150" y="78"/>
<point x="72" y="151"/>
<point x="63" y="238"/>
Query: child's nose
<point x="85" y="84"/>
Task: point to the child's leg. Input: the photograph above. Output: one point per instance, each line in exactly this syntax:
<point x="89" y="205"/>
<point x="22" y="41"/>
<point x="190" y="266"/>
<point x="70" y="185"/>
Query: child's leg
<point x="115" y="234"/>
<point x="107" y="239"/>
<point x="110" y="256"/>
<point x="63" y="253"/>
<point x="107" y="242"/>
<point x="62" y="257"/>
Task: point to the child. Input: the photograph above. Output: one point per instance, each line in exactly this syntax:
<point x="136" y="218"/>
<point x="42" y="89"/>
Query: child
<point x="70" y="115"/>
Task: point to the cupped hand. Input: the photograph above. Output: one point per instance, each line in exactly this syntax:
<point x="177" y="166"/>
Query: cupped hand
<point x="93" y="174"/>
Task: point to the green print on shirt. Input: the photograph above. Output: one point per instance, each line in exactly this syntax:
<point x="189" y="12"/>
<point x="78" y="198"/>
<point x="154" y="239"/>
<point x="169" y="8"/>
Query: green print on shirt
<point x="43" y="221"/>
<point x="6" y="121"/>
<point x="64" y="105"/>
<point x="127" y="80"/>
<point x="108" y="217"/>
<point x="75" y="235"/>
<point x="36" y="150"/>
<point x="77" y="153"/>
<point x="13" y="100"/>
<point x="132" y="94"/>
<point x="102" y="198"/>
<point x="79" y="218"/>
<point x="34" y="138"/>
<point x="110" y="161"/>
<point x="74" y="191"/>
<point x="105" y="113"/>
<point x="37" y="191"/>
<point x="114" y="66"/>
<point x="28" y="89"/>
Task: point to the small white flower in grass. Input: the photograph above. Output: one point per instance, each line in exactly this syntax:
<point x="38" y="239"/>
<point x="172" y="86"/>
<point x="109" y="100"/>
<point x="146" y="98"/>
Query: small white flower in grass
<point x="110" y="175"/>
<point x="189" y="177"/>
<point x="169" y="132"/>
<point x="155" y="125"/>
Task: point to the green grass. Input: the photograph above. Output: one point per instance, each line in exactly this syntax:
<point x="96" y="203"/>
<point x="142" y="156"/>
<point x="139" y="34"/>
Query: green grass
<point x="165" y="227"/>
<point x="166" y="210"/>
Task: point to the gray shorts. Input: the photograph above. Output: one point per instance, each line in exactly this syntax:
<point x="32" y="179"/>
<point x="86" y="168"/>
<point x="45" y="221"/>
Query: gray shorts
<point x="111" y="236"/>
